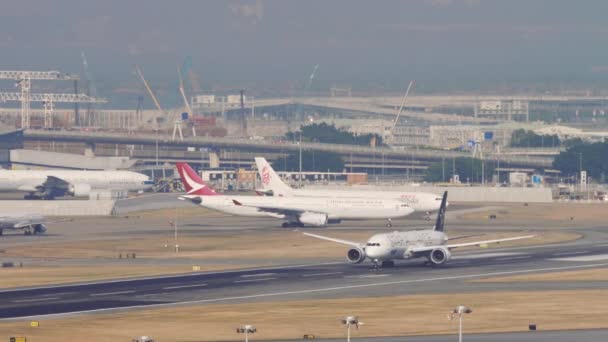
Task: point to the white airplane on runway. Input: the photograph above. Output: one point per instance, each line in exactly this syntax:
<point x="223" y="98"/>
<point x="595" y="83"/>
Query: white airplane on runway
<point x="432" y="244"/>
<point x="29" y="224"/>
<point x="296" y="211"/>
<point x="48" y="184"/>
<point x="273" y="185"/>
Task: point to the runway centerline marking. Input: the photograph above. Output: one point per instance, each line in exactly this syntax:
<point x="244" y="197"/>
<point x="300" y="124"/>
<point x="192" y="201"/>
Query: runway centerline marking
<point x="254" y="280"/>
<point x="111" y="293"/>
<point x="257" y="275"/>
<point x="321" y="274"/>
<point x="183" y="286"/>
<point x="365" y="276"/>
<point x="598" y="257"/>
<point x="318" y="290"/>
<point x="34" y="300"/>
<point x="514" y="258"/>
<point x="570" y="253"/>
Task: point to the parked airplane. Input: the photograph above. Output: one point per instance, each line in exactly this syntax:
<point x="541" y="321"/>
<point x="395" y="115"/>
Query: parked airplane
<point x="432" y="244"/>
<point x="48" y="184"/>
<point x="29" y="224"/>
<point x="273" y="185"/>
<point x="314" y="211"/>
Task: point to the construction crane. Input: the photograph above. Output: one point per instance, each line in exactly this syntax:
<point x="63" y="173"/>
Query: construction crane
<point x="407" y="93"/>
<point x="24" y="82"/>
<point x="48" y="101"/>
<point x="90" y="90"/>
<point x="157" y="104"/>
<point x="187" y="107"/>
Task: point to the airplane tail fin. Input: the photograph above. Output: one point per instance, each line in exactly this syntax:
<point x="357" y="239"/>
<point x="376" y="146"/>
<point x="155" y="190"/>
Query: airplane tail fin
<point x="271" y="180"/>
<point x="193" y="184"/>
<point x="441" y="214"/>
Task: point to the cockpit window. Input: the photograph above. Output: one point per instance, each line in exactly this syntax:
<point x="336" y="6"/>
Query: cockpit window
<point x="438" y="198"/>
<point x="373" y="244"/>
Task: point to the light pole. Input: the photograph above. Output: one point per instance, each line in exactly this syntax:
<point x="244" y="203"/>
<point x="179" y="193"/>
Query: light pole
<point x="246" y="329"/>
<point x="459" y="311"/>
<point x="350" y="321"/>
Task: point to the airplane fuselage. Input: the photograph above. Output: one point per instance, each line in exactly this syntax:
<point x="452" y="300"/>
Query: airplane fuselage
<point x="28" y="180"/>
<point x="396" y="245"/>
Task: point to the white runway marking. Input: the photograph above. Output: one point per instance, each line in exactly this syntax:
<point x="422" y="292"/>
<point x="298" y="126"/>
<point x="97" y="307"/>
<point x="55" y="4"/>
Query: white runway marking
<point x="174" y="276"/>
<point x="369" y="276"/>
<point x="110" y="293"/>
<point x="319" y="290"/>
<point x="183" y="286"/>
<point x="257" y="275"/>
<point x="598" y="257"/>
<point x="253" y="280"/>
<point x="484" y="255"/>
<point x="514" y="258"/>
<point x="570" y="253"/>
<point x="35" y="300"/>
<point x="321" y="274"/>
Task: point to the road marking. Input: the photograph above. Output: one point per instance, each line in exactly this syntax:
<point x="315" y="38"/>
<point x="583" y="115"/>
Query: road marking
<point x="175" y="276"/>
<point x="35" y="300"/>
<point x="369" y="276"/>
<point x="318" y="290"/>
<point x="570" y="253"/>
<point x="514" y="258"/>
<point x="183" y="286"/>
<point x="110" y="293"/>
<point x="253" y="280"/>
<point x="257" y="275"/>
<point x="58" y="294"/>
<point x="484" y="255"/>
<point x="599" y="257"/>
<point x="320" y="274"/>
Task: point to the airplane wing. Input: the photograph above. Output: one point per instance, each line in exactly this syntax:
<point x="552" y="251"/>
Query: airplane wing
<point x="327" y="238"/>
<point x="25" y="224"/>
<point x="279" y="209"/>
<point x="468" y="244"/>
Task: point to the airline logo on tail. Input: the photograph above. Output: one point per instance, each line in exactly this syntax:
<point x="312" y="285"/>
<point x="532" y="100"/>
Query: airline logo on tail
<point x="265" y="175"/>
<point x="192" y="182"/>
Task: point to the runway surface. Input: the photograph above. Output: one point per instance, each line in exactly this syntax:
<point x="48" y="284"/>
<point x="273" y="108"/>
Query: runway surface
<point x="317" y="281"/>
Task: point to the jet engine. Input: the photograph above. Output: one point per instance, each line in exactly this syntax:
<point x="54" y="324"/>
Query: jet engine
<point x="440" y="256"/>
<point x="39" y="229"/>
<point x="313" y="219"/>
<point x="355" y="255"/>
<point x="78" y="190"/>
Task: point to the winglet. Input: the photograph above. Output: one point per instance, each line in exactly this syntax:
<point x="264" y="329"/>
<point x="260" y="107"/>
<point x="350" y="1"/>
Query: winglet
<point x="192" y="182"/>
<point x="441" y="214"/>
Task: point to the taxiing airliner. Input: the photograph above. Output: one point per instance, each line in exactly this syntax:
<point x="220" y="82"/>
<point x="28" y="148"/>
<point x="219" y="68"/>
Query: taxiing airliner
<point x="48" y="184"/>
<point x="273" y="185"/>
<point x="383" y="249"/>
<point x="296" y="211"/>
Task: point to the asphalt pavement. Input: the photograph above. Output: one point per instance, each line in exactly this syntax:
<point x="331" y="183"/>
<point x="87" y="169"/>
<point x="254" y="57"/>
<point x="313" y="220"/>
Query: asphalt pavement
<point x="316" y="281"/>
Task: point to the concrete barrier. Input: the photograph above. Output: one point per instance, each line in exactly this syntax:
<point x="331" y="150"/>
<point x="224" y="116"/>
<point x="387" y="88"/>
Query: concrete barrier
<point x="60" y="207"/>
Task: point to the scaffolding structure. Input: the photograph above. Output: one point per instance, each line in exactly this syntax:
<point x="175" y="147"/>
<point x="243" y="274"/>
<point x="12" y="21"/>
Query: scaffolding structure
<point x="25" y="96"/>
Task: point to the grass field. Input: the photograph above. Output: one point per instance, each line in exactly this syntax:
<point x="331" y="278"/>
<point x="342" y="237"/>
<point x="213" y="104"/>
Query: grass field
<point x="383" y="316"/>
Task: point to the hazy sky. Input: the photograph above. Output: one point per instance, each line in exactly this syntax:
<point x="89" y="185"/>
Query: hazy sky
<point x="279" y="41"/>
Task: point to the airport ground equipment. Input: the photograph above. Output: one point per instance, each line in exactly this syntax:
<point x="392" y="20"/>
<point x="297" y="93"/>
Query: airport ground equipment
<point x="350" y="321"/>
<point x="459" y="311"/>
<point x="246" y="329"/>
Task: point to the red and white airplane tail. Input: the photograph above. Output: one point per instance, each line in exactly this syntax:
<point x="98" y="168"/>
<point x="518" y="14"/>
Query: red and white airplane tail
<point x="192" y="182"/>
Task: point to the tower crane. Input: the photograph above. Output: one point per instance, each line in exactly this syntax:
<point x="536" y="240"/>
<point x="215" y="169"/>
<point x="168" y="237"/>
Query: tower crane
<point x="25" y="96"/>
<point x="182" y="91"/>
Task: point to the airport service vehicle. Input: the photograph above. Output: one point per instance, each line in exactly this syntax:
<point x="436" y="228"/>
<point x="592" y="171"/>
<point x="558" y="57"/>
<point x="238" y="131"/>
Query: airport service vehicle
<point x="383" y="249"/>
<point x="273" y="185"/>
<point x="29" y="224"/>
<point x="48" y="184"/>
<point x="296" y="211"/>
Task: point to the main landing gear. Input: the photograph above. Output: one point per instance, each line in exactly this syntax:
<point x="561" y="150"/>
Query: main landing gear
<point x="292" y="224"/>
